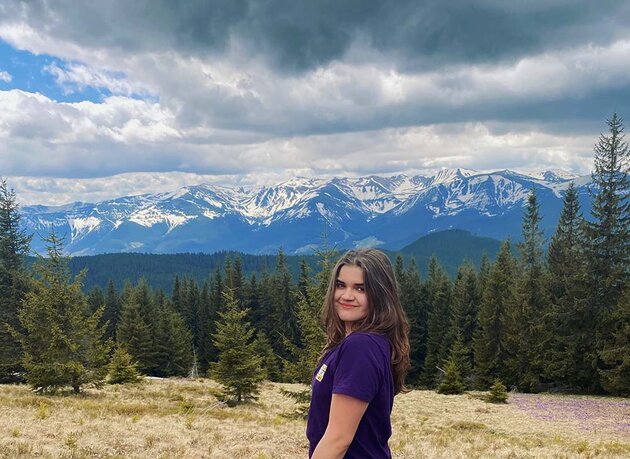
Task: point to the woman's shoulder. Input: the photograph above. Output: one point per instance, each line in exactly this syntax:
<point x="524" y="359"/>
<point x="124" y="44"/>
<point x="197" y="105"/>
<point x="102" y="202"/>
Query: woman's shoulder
<point x="366" y="339"/>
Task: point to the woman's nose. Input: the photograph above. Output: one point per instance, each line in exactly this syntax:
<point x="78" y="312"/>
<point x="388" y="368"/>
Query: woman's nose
<point x="347" y="294"/>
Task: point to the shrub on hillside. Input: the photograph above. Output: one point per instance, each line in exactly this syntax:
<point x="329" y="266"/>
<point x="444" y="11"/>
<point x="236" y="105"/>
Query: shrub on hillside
<point x="498" y="392"/>
<point x="452" y="382"/>
<point x="121" y="369"/>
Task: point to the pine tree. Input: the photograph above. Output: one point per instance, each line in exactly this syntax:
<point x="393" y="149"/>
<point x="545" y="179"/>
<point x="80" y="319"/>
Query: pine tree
<point x="498" y="392"/>
<point x="304" y="357"/>
<point x="282" y="321"/>
<point x="439" y="292"/>
<point x="615" y="376"/>
<point x="134" y="335"/>
<point x="112" y="309"/>
<point x="62" y="342"/>
<point x="177" y="302"/>
<point x="174" y="347"/>
<point x="143" y="297"/>
<point x="14" y="246"/>
<point x="399" y="271"/>
<point x="95" y="299"/>
<point x="484" y="274"/>
<point x="414" y="300"/>
<point x="457" y="368"/>
<point x="239" y="367"/>
<point x="159" y="299"/>
<point x="452" y="382"/>
<point x="490" y="338"/>
<point x="463" y="320"/>
<point x="122" y="370"/>
<point x="191" y="315"/>
<point x="204" y="318"/>
<point x="527" y="336"/>
<point x="269" y="362"/>
<point x="568" y="323"/>
<point x="236" y="281"/>
<point x="609" y="234"/>
<point x="304" y="279"/>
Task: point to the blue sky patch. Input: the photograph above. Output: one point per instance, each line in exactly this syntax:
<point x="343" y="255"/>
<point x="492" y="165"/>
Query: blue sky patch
<point x="28" y="73"/>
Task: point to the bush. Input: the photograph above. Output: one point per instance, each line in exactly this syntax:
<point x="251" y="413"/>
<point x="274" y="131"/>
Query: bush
<point x="498" y="392"/>
<point x="452" y="382"/>
<point x="121" y="369"/>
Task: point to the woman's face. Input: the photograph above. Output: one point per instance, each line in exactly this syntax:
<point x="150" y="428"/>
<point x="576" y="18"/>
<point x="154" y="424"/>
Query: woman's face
<point x="351" y="301"/>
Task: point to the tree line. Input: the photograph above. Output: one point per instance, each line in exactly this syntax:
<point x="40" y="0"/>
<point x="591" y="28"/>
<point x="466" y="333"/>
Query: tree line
<point x="532" y="319"/>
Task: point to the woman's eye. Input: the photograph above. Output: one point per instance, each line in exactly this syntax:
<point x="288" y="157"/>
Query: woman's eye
<point x="360" y="289"/>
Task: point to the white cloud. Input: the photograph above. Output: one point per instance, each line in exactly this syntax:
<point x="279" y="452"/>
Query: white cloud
<point x="5" y="76"/>
<point x="78" y="77"/>
<point x="384" y="152"/>
<point x="232" y="92"/>
<point x="54" y="191"/>
<point x="234" y="117"/>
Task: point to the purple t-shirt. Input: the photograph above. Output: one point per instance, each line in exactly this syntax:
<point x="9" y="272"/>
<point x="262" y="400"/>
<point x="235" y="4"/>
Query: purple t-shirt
<point x="360" y="366"/>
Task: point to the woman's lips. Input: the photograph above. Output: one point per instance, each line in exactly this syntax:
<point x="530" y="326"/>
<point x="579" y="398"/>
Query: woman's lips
<point x="347" y="306"/>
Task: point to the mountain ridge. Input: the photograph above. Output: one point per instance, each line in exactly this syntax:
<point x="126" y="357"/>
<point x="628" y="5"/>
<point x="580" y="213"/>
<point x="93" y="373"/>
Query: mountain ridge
<point x="388" y="212"/>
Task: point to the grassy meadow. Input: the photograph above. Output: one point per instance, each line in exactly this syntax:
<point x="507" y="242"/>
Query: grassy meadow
<point x="178" y="418"/>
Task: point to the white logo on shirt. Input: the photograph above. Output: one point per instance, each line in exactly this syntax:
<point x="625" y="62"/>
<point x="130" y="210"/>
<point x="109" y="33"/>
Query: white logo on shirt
<point x="320" y="373"/>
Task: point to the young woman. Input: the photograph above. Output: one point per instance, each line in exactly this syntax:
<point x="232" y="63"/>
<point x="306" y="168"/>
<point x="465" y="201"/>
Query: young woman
<point x="364" y="362"/>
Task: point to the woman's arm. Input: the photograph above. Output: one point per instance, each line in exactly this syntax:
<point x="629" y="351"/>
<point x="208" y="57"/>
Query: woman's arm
<point x="345" y="414"/>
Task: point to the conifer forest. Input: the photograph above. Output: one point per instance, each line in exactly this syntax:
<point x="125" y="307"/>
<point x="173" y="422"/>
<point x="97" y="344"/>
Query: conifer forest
<point x="543" y="315"/>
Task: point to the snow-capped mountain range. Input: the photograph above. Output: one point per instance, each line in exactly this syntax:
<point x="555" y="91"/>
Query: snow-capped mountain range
<point x="388" y="212"/>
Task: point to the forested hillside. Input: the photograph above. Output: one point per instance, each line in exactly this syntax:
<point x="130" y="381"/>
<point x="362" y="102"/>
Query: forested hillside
<point x="450" y="247"/>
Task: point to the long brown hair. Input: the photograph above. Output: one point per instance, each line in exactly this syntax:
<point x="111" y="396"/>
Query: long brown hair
<point x="385" y="313"/>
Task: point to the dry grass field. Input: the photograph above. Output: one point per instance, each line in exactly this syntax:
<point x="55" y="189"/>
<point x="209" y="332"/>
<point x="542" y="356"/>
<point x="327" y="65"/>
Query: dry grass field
<point x="182" y="419"/>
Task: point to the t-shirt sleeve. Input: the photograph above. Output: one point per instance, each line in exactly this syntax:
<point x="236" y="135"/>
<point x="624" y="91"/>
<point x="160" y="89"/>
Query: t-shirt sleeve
<point x="359" y="371"/>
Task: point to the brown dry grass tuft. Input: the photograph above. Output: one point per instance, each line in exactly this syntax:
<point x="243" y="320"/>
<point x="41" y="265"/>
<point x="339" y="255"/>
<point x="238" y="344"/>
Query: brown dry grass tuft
<point x="178" y="418"/>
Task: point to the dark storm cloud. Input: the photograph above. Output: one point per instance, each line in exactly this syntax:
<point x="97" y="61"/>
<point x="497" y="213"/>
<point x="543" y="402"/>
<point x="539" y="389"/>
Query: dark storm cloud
<point x="297" y="35"/>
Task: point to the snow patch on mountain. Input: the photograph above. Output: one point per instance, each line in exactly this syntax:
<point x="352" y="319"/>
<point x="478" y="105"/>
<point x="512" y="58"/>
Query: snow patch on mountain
<point x="153" y="216"/>
<point x="80" y="226"/>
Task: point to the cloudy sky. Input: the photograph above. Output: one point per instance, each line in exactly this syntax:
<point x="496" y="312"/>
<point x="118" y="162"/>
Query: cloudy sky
<point x="107" y="98"/>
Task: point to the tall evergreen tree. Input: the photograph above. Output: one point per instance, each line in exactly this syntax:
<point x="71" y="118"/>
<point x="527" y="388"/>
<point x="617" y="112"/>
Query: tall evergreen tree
<point x="95" y="298"/>
<point x="239" y="367"/>
<point x="282" y="323"/>
<point x="528" y="335"/>
<point x="205" y="316"/>
<point x="304" y="357"/>
<point x="159" y="299"/>
<point x="569" y="325"/>
<point x="14" y="246"/>
<point x="236" y="281"/>
<point x="173" y="344"/>
<point x="62" y="341"/>
<point x="268" y="360"/>
<point x="609" y="233"/>
<point x="191" y="316"/>
<point x="304" y="279"/>
<point x="463" y="320"/>
<point x="439" y="292"/>
<point x="414" y="300"/>
<point x="135" y="336"/>
<point x="484" y="274"/>
<point x="177" y="300"/>
<point x="456" y="368"/>
<point x="112" y="309"/>
<point x="491" y="334"/>
<point x="615" y="375"/>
